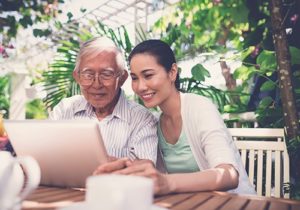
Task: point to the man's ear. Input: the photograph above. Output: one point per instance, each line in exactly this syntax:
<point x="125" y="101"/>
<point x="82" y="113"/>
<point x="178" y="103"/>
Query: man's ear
<point x="76" y="76"/>
<point x="123" y="78"/>
<point x="173" y="72"/>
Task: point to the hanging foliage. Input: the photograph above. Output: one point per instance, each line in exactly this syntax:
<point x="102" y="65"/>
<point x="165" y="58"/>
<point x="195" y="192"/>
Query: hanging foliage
<point x="25" y="14"/>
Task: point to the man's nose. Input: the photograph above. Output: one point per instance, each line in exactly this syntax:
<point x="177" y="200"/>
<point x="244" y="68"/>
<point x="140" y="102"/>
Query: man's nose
<point x="97" y="80"/>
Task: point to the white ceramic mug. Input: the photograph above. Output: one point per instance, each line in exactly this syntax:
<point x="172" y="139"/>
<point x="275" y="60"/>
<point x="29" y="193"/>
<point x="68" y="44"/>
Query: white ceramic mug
<point x="19" y="176"/>
<point x="119" y="192"/>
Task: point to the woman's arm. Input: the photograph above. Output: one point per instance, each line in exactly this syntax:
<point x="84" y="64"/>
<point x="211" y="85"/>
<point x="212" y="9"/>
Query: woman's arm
<point x="222" y="177"/>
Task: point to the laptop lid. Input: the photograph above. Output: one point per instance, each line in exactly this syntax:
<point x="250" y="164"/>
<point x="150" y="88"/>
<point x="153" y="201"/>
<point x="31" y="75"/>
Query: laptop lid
<point x="67" y="151"/>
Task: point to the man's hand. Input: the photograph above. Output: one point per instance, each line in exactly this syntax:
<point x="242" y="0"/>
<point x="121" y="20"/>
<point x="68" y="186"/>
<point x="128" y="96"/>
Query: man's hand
<point x="113" y="165"/>
<point x="116" y="165"/>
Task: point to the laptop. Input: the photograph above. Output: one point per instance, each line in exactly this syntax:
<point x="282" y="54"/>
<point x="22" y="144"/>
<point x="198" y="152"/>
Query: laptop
<point x="68" y="151"/>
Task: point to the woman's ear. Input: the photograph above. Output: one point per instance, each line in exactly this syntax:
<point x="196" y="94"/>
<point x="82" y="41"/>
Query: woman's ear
<point x="123" y="78"/>
<point x="173" y="72"/>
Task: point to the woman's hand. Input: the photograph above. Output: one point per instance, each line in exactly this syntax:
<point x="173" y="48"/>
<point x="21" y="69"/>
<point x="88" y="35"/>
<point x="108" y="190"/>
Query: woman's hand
<point x="146" y="168"/>
<point x="112" y="166"/>
<point x="137" y="168"/>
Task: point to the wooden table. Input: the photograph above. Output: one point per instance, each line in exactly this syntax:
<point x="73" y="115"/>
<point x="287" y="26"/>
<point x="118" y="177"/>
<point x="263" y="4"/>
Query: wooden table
<point x="51" y="198"/>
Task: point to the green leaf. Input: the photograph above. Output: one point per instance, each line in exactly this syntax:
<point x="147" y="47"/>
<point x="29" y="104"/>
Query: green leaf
<point x="70" y="15"/>
<point x="58" y="24"/>
<point x="37" y="32"/>
<point x="83" y="10"/>
<point x="265" y="102"/>
<point x="25" y="21"/>
<point x="268" y="85"/>
<point x="231" y="108"/>
<point x="267" y="61"/>
<point x="127" y="41"/>
<point x="240" y="13"/>
<point x="243" y="72"/>
<point x="246" y="52"/>
<point x="199" y="72"/>
<point x="295" y="54"/>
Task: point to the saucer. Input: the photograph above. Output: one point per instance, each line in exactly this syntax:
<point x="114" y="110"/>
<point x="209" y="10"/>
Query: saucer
<point x="86" y="206"/>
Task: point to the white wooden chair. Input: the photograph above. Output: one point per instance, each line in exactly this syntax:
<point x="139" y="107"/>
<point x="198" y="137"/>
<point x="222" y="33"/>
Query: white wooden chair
<point x="265" y="157"/>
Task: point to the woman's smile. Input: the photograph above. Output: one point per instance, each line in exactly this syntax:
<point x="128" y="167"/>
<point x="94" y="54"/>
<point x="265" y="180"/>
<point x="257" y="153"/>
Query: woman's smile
<point x="147" y="97"/>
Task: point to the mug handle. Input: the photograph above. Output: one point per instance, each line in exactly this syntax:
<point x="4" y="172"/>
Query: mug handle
<point x="33" y="175"/>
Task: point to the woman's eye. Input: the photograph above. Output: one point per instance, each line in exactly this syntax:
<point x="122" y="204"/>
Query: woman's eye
<point x="133" y="78"/>
<point x="148" y="76"/>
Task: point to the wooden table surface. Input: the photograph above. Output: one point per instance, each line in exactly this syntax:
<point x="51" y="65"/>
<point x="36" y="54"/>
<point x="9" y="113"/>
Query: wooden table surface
<point x="51" y="198"/>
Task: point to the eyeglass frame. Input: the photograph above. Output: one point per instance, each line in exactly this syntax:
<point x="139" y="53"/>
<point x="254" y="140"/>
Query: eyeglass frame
<point x="98" y="75"/>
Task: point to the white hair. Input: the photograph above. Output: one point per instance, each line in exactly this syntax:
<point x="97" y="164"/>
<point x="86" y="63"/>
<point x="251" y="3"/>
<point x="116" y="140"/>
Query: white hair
<point x="97" y="45"/>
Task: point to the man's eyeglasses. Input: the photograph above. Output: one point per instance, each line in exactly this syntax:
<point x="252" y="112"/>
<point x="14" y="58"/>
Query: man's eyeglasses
<point x="87" y="78"/>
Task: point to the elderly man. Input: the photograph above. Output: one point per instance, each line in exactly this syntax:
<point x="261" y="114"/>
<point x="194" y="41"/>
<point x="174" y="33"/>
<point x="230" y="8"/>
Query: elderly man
<point x="125" y="125"/>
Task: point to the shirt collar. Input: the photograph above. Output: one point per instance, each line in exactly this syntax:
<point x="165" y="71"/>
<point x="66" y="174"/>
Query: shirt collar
<point x="122" y="108"/>
<point x="83" y="106"/>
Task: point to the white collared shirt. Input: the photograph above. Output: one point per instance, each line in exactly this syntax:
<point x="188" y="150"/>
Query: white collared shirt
<point x="129" y="126"/>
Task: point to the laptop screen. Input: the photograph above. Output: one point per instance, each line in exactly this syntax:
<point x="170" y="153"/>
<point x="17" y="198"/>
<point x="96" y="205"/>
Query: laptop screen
<point x="67" y="151"/>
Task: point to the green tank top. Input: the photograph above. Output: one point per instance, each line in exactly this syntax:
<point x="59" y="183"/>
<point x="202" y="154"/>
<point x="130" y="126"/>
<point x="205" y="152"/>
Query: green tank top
<point x="178" y="158"/>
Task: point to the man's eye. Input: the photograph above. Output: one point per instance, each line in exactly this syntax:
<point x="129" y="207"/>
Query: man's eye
<point x="107" y="74"/>
<point x="87" y="76"/>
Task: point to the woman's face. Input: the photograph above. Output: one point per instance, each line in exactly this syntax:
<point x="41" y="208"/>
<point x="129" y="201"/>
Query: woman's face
<point x="150" y="81"/>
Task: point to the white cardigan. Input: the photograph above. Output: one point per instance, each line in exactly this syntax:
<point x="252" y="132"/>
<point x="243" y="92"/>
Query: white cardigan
<point x="209" y="139"/>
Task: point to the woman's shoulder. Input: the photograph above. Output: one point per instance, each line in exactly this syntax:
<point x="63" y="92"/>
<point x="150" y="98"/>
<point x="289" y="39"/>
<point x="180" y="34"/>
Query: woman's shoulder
<point x="198" y="107"/>
<point x="195" y="99"/>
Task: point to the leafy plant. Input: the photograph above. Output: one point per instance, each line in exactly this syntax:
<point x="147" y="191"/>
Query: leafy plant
<point x="4" y="95"/>
<point x="36" y="109"/>
<point x="198" y="26"/>
<point x="223" y="99"/>
<point x="58" y="81"/>
<point x="244" y="26"/>
<point x="25" y="14"/>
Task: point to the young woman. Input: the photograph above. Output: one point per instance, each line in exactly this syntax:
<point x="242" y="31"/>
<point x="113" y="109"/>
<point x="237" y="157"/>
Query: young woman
<point x="197" y="152"/>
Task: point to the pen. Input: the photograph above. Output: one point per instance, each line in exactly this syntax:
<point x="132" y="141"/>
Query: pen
<point x="132" y="155"/>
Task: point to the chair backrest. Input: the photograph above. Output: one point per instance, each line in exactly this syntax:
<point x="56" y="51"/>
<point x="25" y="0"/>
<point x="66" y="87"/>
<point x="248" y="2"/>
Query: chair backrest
<point x="265" y="157"/>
